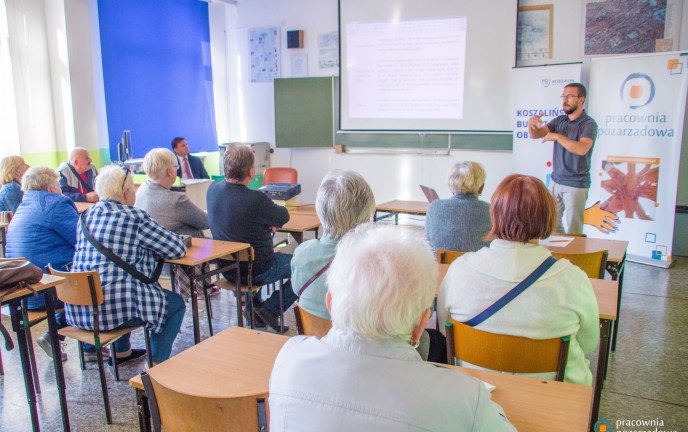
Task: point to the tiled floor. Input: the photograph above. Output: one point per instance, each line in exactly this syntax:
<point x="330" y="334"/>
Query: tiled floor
<point x="646" y="380"/>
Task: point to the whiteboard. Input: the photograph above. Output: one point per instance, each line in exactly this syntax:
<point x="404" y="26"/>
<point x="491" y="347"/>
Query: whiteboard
<point x="490" y="40"/>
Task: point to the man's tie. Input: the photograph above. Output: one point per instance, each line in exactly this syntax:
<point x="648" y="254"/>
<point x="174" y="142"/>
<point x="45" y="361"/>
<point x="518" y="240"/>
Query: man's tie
<point x="187" y="168"/>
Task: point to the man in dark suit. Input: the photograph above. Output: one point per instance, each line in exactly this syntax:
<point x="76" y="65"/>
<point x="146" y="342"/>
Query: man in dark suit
<point x="190" y="167"/>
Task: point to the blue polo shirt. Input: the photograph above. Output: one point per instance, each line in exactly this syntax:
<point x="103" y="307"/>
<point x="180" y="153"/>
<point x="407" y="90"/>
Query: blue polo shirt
<point x="569" y="168"/>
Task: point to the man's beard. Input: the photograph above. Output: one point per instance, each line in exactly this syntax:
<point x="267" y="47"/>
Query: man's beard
<point x="570" y="109"/>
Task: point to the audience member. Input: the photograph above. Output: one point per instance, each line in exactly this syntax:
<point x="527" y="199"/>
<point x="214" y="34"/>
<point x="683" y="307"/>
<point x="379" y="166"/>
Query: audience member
<point x="190" y="166"/>
<point x="365" y="373"/>
<point x="460" y="222"/>
<point x="237" y="213"/>
<point x="140" y="242"/>
<point x="560" y="303"/>
<point x="43" y="230"/>
<point x="173" y="210"/>
<point x="12" y="169"/>
<point x="77" y="177"/>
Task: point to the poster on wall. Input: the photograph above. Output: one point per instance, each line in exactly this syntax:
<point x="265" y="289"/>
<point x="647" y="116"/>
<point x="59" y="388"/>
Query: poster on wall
<point x="631" y="26"/>
<point x="264" y="54"/>
<point x="534" y="33"/>
<point x="328" y="50"/>
<point x="639" y="103"/>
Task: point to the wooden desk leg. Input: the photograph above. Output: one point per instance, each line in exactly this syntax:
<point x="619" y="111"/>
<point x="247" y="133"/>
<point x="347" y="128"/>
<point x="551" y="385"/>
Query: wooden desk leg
<point x="601" y="367"/>
<point x="298" y="236"/>
<point x="19" y="329"/>
<point x="237" y="292"/>
<point x="57" y="357"/>
<point x="143" y="411"/>
<point x="618" y="302"/>
<point x="194" y="305"/>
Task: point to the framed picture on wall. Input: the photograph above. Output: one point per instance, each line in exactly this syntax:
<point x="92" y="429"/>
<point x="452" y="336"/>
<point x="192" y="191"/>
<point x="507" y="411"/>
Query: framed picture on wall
<point x="631" y="26"/>
<point x="535" y="29"/>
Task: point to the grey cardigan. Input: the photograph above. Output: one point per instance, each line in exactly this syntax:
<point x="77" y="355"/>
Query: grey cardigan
<point x="458" y="223"/>
<point x="173" y="210"/>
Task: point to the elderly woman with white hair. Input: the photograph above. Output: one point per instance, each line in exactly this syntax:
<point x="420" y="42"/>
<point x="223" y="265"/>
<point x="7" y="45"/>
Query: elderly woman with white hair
<point x="142" y="244"/>
<point x="173" y="210"/>
<point x="365" y="373"/>
<point x="460" y="222"/>
<point x="12" y="169"/>
<point x="344" y="201"/>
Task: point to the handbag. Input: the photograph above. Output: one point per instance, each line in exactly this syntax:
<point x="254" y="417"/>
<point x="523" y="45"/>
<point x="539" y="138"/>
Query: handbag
<point x="314" y="277"/>
<point x="16" y="275"/>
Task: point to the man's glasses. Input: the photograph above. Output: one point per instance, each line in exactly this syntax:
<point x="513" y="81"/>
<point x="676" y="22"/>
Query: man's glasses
<point x="569" y="97"/>
<point x="126" y="173"/>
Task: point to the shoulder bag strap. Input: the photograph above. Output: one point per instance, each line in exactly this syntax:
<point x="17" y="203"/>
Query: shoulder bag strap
<point x="314" y="277"/>
<point x="515" y="291"/>
<point x="119" y="262"/>
<point x="78" y="177"/>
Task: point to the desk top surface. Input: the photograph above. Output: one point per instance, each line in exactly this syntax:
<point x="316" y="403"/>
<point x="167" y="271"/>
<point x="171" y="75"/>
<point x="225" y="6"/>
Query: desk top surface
<point x="616" y="248"/>
<point x="203" y="250"/>
<point x="245" y="358"/>
<point x="606" y="292"/>
<point x="402" y="206"/>
<point x="300" y="222"/>
<point x="47" y="281"/>
<point x="83" y="206"/>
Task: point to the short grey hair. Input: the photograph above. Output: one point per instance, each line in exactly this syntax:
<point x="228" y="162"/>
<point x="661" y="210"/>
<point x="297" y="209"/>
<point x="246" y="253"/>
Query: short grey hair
<point x="39" y="178"/>
<point x="157" y="161"/>
<point x="344" y="201"/>
<point x="466" y="178"/>
<point x="381" y="281"/>
<point x="109" y="183"/>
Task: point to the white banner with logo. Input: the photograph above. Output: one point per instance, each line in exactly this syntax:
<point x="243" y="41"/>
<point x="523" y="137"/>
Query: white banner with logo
<point x="538" y="90"/>
<point x="638" y="103"/>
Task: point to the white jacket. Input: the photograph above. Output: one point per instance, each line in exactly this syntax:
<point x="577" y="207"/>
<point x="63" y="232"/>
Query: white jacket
<point x="346" y="383"/>
<point x="560" y="303"/>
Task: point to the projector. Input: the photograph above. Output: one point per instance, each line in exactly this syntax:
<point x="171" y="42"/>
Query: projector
<point x="281" y="191"/>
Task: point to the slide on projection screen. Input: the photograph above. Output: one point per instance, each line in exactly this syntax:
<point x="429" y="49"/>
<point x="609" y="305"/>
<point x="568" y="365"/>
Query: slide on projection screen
<point x="426" y="66"/>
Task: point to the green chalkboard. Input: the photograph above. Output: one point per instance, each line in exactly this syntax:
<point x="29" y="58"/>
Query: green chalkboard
<point x="306" y="115"/>
<point x="304" y="111"/>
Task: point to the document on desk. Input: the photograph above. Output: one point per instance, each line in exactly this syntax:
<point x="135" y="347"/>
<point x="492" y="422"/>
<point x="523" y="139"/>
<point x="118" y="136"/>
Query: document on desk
<point x="556" y="241"/>
<point x="489" y="386"/>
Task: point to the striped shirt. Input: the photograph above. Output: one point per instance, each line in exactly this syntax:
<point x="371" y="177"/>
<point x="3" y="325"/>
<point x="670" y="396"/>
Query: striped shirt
<point x="136" y="238"/>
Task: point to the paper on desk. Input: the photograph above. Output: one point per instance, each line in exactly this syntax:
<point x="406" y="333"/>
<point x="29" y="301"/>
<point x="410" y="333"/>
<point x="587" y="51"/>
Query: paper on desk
<point x="556" y="241"/>
<point x="489" y="386"/>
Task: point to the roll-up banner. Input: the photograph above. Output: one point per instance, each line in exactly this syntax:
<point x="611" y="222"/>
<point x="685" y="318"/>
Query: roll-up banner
<point x="538" y="90"/>
<point x="639" y="105"/>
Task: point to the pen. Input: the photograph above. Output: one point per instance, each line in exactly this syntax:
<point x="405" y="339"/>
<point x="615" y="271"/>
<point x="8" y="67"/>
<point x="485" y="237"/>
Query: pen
<point x="558" y="241"/>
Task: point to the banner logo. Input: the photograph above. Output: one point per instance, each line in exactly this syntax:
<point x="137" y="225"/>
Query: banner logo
<point x="637" y="90"/>
<point x="675" y="67"/>
<point x="603" y="425"/>
<point x="546" y="82"/>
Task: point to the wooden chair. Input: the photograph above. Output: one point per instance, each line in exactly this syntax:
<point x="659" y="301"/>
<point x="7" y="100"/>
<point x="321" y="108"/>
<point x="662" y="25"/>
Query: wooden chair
<point x="505" y="353"/>
<point x="84" y="289"/>
<point x="309" y="324"/>
<point x="593" y="264"/>
<point x="446" y="256"/>
<point x="280" y="175"/>
<point x="5" y="216"/>
<point x="182" y="411"/>
<point x="250" y="289"/>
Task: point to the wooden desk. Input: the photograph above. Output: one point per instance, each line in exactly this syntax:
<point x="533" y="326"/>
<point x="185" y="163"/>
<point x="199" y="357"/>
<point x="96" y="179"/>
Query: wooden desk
<point x="83" y="206"/>
<point x="243" y="360"/>
<point x="300" y="223"/>
<point x="393" y="208"/>
<point x="47" y="287"/>
<point x="204" y="250"/>
<point x="606" y="292"/>
<point x="298" y="208"/>
<point x="616" y="263"/>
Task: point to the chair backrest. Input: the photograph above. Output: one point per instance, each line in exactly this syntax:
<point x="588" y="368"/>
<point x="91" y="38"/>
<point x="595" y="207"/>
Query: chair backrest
<point x="592" y="263"/>
<point x="12" y="259"/>
<point x="280" y="175"/>
<point x="179" y="411"/>
<point x="446" y="256"/>
<point x="309" y="324"/>
<point x="506" y="353"/>
<point x="79" y="288"/>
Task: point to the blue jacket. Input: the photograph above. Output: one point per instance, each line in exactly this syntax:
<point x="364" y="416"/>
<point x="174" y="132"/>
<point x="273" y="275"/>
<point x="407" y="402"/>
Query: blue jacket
<point x="10" y="196"/>
<point x="196" y="165"/>
<point x="43" y="230"/>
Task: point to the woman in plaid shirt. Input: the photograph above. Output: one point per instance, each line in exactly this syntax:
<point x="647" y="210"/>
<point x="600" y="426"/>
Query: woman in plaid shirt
<point x="136" y="238"/>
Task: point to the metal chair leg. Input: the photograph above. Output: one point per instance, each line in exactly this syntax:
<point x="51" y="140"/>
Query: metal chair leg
<point x="82" y="361"/>
<point x="115" y="365"/>
<point x="32" y="359"/>
<point x="149" y="351"/>
<point x="281" y="306"/>
<point x="103" y="385"/>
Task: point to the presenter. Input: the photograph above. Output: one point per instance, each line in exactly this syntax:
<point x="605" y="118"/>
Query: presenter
<point x="574" y="136"/>
<point x="190" y="167"/>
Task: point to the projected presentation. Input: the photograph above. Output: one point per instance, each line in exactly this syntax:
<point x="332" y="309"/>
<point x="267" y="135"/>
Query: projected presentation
<point x="406" y="70"/>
